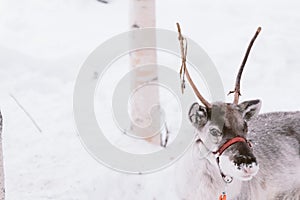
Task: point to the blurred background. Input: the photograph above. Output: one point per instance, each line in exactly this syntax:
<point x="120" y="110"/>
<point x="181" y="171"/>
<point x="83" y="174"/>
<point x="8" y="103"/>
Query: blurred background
<point x="43" y="44"/>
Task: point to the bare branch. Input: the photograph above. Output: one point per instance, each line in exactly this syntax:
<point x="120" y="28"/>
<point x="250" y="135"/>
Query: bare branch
<point x="27" y="113"/>
<point x="237" y="92"/>
<point x="183" y="70"/>
<point x="164" y="138"/>
<point x="103" y="1"/>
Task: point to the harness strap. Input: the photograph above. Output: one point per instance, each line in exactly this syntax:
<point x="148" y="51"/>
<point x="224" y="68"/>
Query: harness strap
<point x="218" y="153"/>
<point x="229" y="143"/>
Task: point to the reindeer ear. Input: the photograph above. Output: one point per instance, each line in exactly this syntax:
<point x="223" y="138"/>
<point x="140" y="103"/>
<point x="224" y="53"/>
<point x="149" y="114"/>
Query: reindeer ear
<point x="198" y="115"/>
<point x="250" y="108"/>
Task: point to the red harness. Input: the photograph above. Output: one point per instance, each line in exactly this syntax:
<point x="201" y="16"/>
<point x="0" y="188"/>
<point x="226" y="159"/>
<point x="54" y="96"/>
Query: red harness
<point x="229" y="143"/>
<point x="225" y="146"/>
<point x="218" y="153"/>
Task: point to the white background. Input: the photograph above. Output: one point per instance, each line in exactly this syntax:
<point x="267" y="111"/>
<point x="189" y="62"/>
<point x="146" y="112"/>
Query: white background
<point x="43" y="43"/>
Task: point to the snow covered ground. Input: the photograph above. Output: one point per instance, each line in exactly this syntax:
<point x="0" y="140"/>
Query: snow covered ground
<point x="43" y="44"/>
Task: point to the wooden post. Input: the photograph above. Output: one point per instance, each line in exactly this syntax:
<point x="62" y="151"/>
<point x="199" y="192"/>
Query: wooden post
<point x="142" y="15"/>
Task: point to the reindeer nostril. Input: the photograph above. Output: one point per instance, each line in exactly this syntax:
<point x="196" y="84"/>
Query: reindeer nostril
<point x="248" y="161"/>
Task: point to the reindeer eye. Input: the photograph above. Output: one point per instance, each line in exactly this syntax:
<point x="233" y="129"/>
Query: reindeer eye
<point x="215" y="132"/>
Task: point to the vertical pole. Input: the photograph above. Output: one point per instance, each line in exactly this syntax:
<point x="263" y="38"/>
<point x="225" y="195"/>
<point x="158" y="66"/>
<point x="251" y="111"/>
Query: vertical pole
<point x="142" y="15"/>
<point x="2" y="189"/>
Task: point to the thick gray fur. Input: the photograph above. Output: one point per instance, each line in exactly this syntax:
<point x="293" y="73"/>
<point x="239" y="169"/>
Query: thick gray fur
<point x="276" y="145"/>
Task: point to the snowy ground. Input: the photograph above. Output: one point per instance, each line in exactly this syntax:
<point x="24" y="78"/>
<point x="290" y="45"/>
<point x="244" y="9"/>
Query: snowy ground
<point x="43" y="43"/>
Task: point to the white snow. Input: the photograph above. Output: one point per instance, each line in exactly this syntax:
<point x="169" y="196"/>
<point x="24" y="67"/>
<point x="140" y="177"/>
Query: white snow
<point x="43" y="44"/>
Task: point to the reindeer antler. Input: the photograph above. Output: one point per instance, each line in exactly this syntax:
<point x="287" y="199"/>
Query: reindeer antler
<point x="184" y="71"/>
<point x="237" y="91"/>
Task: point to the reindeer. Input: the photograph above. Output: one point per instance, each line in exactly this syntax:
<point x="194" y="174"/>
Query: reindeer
<point x="238" y="154"/>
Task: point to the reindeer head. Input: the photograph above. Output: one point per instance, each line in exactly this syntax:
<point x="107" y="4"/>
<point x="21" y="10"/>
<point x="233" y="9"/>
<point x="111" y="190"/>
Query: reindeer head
<point x="222" y="127"/>
<point x="224" y="122"/>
